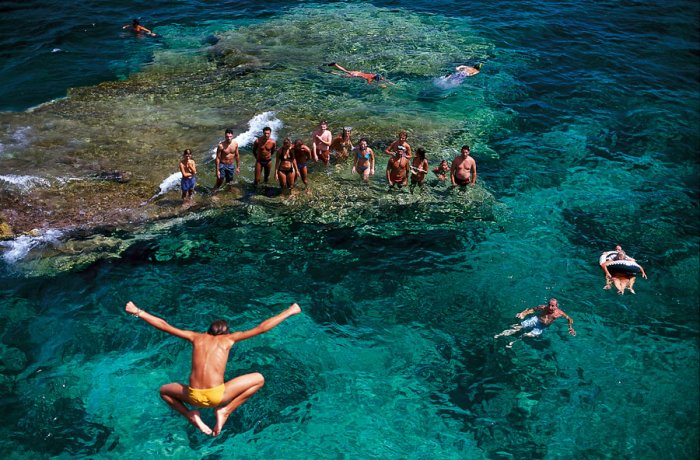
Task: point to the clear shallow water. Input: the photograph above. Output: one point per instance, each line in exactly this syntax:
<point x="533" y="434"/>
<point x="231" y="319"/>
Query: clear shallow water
<point x="583" y="124"/>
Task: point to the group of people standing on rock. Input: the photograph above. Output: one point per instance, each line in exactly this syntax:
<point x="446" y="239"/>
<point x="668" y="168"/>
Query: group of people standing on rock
<point x="289" y="162"/>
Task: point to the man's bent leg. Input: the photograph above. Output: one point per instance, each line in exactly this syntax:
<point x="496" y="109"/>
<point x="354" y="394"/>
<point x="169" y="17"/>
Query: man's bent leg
<point x="237" y="392"/>
<point x="175" y="394"/>
<point x="514" y="328"/>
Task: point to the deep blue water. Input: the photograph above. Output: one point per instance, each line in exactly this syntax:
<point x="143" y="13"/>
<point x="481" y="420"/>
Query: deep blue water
<point x="584" y="124"/>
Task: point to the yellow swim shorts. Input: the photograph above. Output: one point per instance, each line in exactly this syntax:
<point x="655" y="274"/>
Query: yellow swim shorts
<point x="209" y="397"/>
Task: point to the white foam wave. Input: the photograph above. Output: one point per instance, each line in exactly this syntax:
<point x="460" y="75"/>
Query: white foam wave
<point x="170" y="183"/>
<point x="24" y="183"/>
<point x="18" y="139"/>
<point x="449" y="81"/>
<point x="255" y="126"/>
<point x="18" y="248"/>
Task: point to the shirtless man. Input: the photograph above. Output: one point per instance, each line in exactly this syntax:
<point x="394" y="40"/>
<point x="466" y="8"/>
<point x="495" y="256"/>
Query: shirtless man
<point x="226" y="154"/>
<point x="188" y="169"/>
<point x="463" y="170"/>
<point x="321" y="145"/>
<point x="537" y="324"/>
<point x="210" y="352"/>
<point x="138" y="28"/>
<point x="397" y="168"/>
<point x="263" y="149"/>
<point x="302" y="155"/>
<point x="401" y="141"/>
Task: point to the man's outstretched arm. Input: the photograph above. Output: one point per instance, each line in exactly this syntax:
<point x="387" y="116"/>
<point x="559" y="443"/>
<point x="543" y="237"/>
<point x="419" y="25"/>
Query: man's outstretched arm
<point x="267" y="324"/>
<point x="158" y="323"/>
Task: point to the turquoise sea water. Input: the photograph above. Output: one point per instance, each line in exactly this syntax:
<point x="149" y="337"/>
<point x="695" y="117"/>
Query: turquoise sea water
<point x="584" y="125"/>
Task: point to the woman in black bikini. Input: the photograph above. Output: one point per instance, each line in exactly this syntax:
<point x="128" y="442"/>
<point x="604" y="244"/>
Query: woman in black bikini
<point x="286" y="166"/>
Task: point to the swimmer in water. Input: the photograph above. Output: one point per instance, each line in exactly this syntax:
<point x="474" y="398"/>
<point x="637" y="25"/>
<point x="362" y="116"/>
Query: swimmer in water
<point x="460" y="74"/>
<point x="370" y="77"/>
<point x="138" y="28"/>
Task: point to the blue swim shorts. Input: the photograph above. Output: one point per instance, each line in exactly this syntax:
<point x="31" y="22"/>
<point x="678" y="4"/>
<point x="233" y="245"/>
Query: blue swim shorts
<point x="226" y="171"/>
<point x="537" y="326"/>
<point x="188" y="183"/>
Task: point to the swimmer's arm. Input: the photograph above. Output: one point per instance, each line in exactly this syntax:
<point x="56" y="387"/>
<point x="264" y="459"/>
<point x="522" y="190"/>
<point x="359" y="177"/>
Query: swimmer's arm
<point x="528" y="311"/>
<point x="371" y="161"/>
<point x="571" y="323"/>
<point x="644" y="275"/>
<point x="453" y="168"/>
<point x="473" y="168"/>
<point x="182" y="169"/>
<point x="237" y="157"/>
<point x="193" y="167"/>
<point x="388" y="176"/>
<point x="158" y="323"/>
<point x="267" y="324"/>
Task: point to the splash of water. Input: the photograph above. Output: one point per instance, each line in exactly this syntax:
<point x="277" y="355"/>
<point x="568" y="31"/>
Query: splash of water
<point x="18" y="248"/>
<point x="255" y="126"/>
<point x="24" y="183"/>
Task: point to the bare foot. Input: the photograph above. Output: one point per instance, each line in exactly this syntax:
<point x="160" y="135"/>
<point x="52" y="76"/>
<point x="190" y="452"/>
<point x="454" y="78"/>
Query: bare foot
<point x="621" y="292"/>
<point x="196" y="420"/>
<point x="632" y="291"/>
<point x="607" y="286"/>
<point x="221" y="418"/>
<point x="510" y="345"/>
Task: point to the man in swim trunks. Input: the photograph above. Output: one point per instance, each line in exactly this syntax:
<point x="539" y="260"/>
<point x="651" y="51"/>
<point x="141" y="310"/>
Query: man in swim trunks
<point x="463" y="170"/>
<point x="263" y="149"/>
<point x="401" y="141"/>
<point x="210" y="353"/>
<point x="322" y="138"/>
<point x="397" y="168"/>
<point x="302" y="155"/>
<point x="226" y="154"/>
<point x="138" y="28"/>
<point x="370" y="77"/>
<point x="537" y="324"/>
<point x="188" y="169"/>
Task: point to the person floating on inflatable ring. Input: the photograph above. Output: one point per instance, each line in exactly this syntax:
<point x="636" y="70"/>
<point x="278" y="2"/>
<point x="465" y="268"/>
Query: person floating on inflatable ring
<point x="622" y="279"/>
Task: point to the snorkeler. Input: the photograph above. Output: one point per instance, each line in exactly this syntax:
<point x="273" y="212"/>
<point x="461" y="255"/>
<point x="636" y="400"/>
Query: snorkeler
<point x="537" y="324"/>
<point x="397" y="168"/>
<point x="452" y="80"/>
<point x="401" y="141"/>
<point x="370" y="77"/>
<point x="138" y="28"/>
<point x="210" y="353"/>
